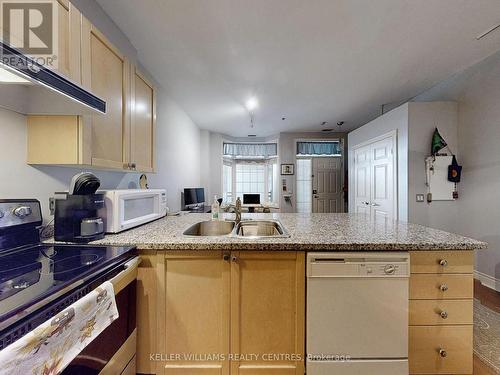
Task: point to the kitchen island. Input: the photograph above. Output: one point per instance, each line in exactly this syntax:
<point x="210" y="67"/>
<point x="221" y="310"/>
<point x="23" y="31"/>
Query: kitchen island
<point x="308" y="232"/>
<point x="224" y="304"/>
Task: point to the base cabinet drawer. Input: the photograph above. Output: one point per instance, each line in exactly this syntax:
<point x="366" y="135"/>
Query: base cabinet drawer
<point x="428" y="286"/>
<point x="440" y="350"/>
<point x="441" y="261"/>
<point x="440" y="312"/>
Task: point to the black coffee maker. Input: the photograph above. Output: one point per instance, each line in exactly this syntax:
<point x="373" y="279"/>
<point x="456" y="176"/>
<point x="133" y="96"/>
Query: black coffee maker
<point x="80" y="214"/>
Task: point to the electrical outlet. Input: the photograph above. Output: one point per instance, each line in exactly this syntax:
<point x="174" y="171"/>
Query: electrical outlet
<point x="420" y="197"/>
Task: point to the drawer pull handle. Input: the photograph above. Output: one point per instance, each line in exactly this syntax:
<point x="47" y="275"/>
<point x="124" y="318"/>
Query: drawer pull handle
<point x="443" y="262"/>
<point x="443" y="353"/>
<point x="443" y="314"/>
<point x="443" y="287"/>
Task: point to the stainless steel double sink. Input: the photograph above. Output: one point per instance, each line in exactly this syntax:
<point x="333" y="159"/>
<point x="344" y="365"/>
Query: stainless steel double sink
<point x="254" y="229"/>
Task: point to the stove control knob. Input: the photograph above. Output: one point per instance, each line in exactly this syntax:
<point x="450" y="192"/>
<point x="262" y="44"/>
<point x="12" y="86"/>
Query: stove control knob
<point x="22" y="211"/>
<point x="389" y="269"/>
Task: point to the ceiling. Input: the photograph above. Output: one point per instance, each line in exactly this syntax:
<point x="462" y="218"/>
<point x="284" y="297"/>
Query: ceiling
<point x="308" y="61"/>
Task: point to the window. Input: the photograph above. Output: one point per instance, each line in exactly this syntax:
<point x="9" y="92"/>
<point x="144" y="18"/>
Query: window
<point x="250" y="169"/>
<point x="319" y="148"/>
<point x="304" y="185"/>
<point x="227" y="183"/>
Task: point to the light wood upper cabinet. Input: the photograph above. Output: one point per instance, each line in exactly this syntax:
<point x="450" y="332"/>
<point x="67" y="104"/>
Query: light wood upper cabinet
<point x="106" y="72"/>
<point x="143" y="123"/>
<point x="121" y="139"/>
<point x="69" y="40"/>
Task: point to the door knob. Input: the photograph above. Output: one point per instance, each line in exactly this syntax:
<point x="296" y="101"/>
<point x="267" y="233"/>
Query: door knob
<point x="375" y="204"/>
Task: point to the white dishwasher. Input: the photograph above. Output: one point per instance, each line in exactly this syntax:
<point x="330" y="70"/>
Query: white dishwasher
<point x="357" y="313"/>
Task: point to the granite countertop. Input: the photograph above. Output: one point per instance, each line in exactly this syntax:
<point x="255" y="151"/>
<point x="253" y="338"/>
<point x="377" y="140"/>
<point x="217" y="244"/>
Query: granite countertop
<point x="308" y="232"/>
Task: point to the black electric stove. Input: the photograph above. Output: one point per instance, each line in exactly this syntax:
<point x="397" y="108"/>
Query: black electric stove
<point x="39" y="280"/>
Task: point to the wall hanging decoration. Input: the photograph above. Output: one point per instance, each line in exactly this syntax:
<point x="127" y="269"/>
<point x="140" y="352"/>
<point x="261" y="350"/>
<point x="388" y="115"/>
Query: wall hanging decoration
<point x="287" y="169"/>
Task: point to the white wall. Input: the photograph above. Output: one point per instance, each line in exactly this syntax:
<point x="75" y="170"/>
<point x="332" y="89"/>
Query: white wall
<point x="424" y="117"/>
<point x="397" y="119"/>
<point x="479" y="145"/>
<point x="177" y="151"/>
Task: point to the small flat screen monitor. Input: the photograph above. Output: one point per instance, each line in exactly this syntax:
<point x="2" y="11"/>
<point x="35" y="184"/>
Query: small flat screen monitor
<point x="251" y="198"/>
<point x="194" y="196"/>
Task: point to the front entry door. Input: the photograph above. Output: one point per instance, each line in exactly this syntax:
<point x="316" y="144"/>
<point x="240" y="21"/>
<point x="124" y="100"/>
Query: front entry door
<point x="327" y="185"/>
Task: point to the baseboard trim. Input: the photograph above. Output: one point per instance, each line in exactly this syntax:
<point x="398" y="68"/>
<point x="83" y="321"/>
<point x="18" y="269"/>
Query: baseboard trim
<point x="487" y="280"/>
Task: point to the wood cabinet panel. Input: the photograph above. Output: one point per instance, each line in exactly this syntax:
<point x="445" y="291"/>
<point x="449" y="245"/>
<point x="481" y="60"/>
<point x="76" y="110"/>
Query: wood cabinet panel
<point x="427" y="341"/>
<point x="63" y="132"/>
<point x="196" y="305"/>
<point x="142" y="133"/>
<point x="106" y="72"/>
<point x="440" y="312"/>
<point x="69" y="39"/>
<point x="441" y="262"/>
<point x="444" y="286"/>
<point x="267" y="311"/>
<point x="149" y="279"/>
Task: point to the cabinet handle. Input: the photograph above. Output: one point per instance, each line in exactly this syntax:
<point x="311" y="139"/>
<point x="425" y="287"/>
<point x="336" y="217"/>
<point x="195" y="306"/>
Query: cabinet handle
<point x="443" y="287"/>
<point x="132" y="165"/>
<point x="443" y="262"/>
<point x="226" y="257"/>
<point x="443" y="314"/>
<point x="234" y="258"/>
<point x="442" y="353"/>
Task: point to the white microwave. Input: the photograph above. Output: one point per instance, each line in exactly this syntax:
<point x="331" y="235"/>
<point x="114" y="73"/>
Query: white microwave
<point x="130" y="208"/>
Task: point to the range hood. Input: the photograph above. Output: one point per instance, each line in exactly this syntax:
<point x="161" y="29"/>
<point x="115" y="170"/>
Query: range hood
<point x="30" y="88"/>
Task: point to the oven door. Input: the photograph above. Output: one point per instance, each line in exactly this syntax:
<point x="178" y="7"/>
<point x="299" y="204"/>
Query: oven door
<point x="113" y="351"/>
<point x="138" y="208"/>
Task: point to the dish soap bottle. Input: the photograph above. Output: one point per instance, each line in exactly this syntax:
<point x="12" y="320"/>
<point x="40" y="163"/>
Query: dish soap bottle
<point x="215" y="209"/>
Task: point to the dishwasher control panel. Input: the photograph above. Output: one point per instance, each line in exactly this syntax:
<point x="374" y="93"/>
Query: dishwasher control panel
<point x="358" y="264"/>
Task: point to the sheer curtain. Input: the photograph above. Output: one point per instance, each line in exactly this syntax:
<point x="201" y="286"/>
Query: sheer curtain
<point x="251" y="150"/>
<point x="318" y="148"/>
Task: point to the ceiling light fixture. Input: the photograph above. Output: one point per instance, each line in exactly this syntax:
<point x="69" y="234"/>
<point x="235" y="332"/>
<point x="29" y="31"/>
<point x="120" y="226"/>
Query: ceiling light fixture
<point x="251" y="104"/>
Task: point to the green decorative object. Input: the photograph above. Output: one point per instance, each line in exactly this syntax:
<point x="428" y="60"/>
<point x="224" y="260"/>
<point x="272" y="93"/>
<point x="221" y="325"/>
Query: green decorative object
<point x="438" y="142"/>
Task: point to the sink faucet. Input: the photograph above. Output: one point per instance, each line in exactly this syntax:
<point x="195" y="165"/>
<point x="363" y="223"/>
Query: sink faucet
<point x="237" y="210"/>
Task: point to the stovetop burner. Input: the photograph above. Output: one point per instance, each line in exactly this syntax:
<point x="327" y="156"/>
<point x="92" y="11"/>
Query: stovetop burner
<point x="71" y="263"/>
<point x="32" y="273"/>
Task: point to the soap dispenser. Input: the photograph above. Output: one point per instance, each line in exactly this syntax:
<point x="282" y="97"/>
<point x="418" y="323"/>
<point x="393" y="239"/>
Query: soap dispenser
<point x="215" y="209"/>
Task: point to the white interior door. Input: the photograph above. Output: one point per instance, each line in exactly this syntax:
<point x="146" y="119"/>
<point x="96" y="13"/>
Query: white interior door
<point x="374" y="178"/>
<point x="382" y="181"/>
<point x="327" y="185"/>
<point x="362" y="177"/>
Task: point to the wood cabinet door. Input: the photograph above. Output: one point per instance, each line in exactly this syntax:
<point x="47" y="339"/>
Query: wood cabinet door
<point x="267" y="313"/>
<point x="69" y="36"/>
<point x="142" y="129"/>
<point x="194" y="320"/>
<point x="106" y="73"/>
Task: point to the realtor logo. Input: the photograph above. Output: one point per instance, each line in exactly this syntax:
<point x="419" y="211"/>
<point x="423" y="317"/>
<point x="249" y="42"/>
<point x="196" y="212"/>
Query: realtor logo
<point x="31" y="27"/>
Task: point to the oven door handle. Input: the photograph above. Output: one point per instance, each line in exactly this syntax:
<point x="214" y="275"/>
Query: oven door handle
<point x="128" y="275"/>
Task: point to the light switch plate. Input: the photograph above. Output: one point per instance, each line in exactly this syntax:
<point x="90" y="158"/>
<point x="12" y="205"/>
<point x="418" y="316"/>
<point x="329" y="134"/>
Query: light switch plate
<point x="420" y="197"/>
